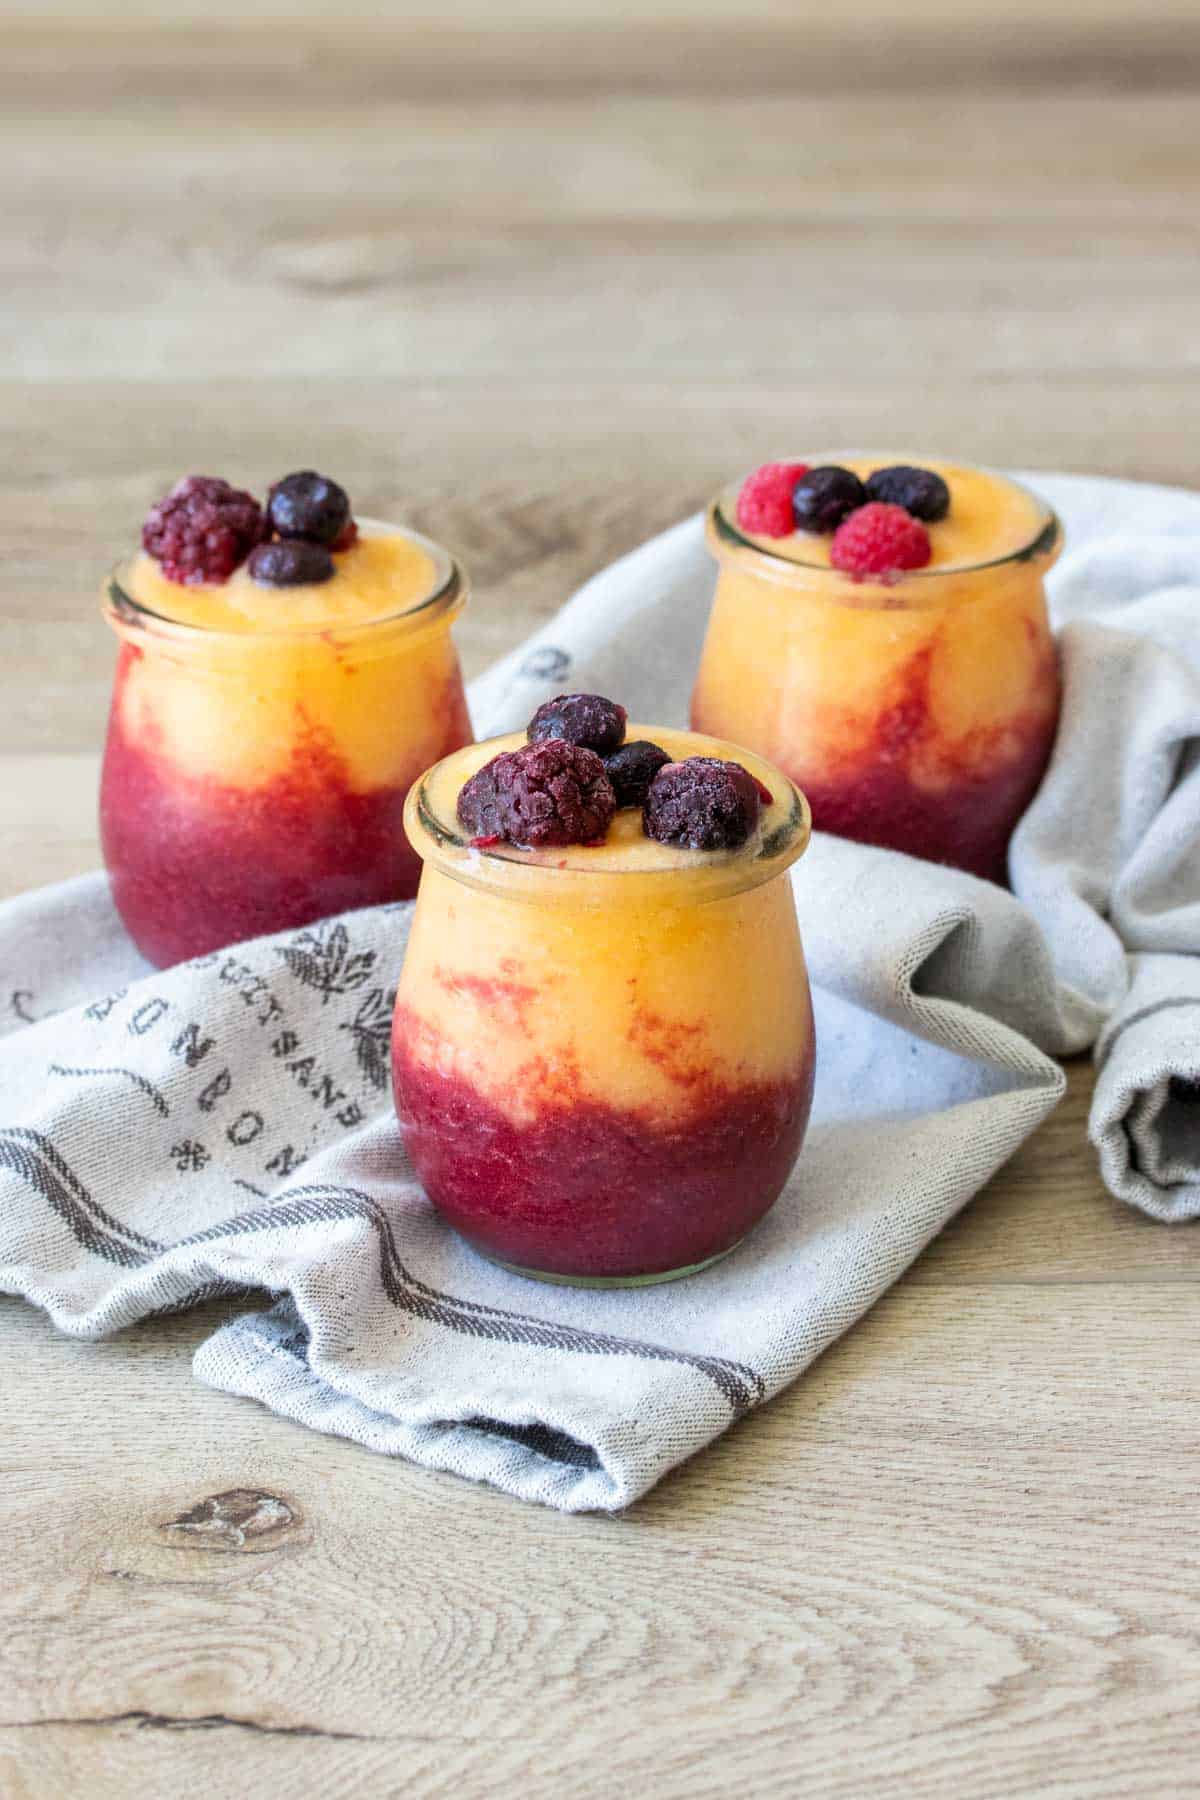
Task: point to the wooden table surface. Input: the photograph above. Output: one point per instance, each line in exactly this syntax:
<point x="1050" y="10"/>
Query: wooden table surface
<point x="538" y="277"/>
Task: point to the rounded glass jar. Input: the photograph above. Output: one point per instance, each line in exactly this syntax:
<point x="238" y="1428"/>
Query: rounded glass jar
<point x="257" y="763"/>
<point x="918" y="713"/>
<point x="603" y="1056"/>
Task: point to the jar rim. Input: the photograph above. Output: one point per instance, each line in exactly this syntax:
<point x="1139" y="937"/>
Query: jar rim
<point x="527" y="874"/>
<point x="723" y="533"/>
<point x="445" y="597"/>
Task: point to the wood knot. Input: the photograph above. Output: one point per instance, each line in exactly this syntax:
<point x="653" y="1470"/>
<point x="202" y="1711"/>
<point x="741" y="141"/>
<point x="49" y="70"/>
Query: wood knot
<point x="245" y="1520"/>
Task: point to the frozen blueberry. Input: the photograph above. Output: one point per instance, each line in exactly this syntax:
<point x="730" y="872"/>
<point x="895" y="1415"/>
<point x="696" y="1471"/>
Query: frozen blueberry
<point x="308" y="505"/>
<point x="585" y="719"/>
<point x="293" y="563"/>
<point x="920" y="492"/>
<point x="542" y="795"/>
<point x="824" y="497"/>
<point x="632" y="768"/>
<point x="702" y="804"/>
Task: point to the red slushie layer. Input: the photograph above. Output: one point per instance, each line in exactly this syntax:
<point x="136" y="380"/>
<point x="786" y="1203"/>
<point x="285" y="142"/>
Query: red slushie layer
<point x="196" y="863"/>
<point x="965" y="816"/>
<point x="585" y="1189"/>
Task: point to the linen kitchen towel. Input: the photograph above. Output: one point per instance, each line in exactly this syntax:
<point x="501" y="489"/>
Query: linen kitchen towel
<point x="224" y="1127"/>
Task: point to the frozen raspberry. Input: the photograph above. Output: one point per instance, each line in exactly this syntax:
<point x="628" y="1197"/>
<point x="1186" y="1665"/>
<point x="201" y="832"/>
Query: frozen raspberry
<point x="584" y="719"/>
<point x="825" y="496"/>
<point x="632" y="768"/>
<point x="702" y="804"/>
<point x="542" y="795"/>
<point x="308" y="505"/>
<point x="879" y="540"/>
<point x="293" y="563"/>
<point x="919" y="491"/>
<point x="202" y="530"/>
<point x="764" y="504"/>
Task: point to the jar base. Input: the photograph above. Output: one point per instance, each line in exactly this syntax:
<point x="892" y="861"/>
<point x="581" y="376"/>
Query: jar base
<point x="605" y="1281"/>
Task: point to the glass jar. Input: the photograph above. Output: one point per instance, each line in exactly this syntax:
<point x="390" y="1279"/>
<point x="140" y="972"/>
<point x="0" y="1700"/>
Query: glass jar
<point x="255" y="778"/>
<point x="918" y="714"/>
<point x="603" y="1056"/>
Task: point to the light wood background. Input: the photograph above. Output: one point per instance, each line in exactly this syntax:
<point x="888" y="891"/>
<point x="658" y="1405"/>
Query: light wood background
<point x="538" y="276"/>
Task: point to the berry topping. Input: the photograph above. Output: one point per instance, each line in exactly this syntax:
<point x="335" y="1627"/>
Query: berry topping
<point x="879" y="540"/>
<point x="542" y="795"/>
<point x="919" y="491"/>
<point x="202" y="530"/>
<point x="585" y="719"/>
<point x="701" y="804"/>
<point x="308" y="505"/>
<point x="632" y="768"/>
<point x="292" y="563"/>
<point x="764" y="504"/>
<point x="825" y="496"/>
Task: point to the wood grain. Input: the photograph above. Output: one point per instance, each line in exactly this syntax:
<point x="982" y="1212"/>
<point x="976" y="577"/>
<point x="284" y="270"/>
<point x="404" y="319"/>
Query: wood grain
<point x="535" y="47"/>
<point x="538" y="278"/>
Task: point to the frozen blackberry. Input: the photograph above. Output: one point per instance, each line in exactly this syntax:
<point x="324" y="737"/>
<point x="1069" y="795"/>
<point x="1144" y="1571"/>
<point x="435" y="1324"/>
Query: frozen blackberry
<point x="920" y="492"/>
<point x="825" y="496"/>
<point x="588" y="720"/>
<point x="292" y="563"/>
<point x="632" y="768"/>
<point x="540" y="796"/>
<point x="308" y="505"/>
<point x="202" y="530"/>
<point x="702" y="804"/>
